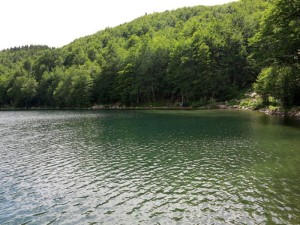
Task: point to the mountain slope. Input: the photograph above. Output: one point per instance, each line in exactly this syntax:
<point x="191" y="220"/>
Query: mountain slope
<point x="186" y="55"/>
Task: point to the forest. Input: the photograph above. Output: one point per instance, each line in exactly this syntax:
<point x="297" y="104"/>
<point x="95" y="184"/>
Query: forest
<point x="189" y="56"/>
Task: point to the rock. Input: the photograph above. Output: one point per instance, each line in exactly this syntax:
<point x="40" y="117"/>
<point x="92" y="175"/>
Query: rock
<point x="252" y="94"/>
<point x="222" y="107"/>
<point x="235" y="107"/>
<point x="98" y="107"/>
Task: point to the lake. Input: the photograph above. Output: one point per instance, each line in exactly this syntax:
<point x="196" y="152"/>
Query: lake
<point x="148" y="167"/>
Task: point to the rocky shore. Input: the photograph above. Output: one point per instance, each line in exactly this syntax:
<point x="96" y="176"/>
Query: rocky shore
<point x="293" y="113"/>
<point x="276" y="112"/>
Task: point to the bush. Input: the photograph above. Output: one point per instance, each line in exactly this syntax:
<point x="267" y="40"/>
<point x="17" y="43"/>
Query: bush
<point x="252" y="103"/>
<point x="200" y="103"/>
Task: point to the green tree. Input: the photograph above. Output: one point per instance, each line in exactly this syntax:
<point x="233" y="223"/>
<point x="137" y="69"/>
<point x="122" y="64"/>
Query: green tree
<point x="23" y="90"/>
<point x="278" y="40"/>
<point x="73" y="88"/>
<point x="281" y="82"/>
<point x="277" y="47"/>
<point x="4" y="80"/>
<point x="81" y="87"/>
<point x="47" y="86"/>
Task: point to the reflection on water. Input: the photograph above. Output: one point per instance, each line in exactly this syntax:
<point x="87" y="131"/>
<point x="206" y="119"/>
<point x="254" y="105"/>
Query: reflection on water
<point x="147" y="167"/>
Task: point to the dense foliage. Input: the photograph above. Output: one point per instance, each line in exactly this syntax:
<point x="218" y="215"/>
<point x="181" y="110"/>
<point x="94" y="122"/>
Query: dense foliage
<point x="277" y="48"/>
<point x="190" y="55"/>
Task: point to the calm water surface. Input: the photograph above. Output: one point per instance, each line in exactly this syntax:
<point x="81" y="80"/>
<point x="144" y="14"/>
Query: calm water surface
<point x="148" y="167"/>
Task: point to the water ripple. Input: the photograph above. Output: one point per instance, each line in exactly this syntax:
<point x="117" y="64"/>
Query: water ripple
<point x="85" y="167"/>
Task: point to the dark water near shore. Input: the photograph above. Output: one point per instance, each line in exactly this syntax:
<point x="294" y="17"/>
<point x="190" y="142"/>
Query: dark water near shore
<point x="148" y="167"/>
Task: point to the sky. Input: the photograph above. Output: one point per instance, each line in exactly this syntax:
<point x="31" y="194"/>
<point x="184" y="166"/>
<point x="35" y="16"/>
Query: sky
<point x="58" y="22"/>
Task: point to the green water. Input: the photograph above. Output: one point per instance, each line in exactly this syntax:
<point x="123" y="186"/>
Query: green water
<point x="148" y="167"/>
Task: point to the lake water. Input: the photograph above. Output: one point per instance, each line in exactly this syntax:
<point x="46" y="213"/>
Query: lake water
<point x="148" y="167"/>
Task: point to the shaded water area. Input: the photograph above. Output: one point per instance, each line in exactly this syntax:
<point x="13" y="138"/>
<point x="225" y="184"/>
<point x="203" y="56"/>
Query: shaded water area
<point x="148" y="167"/>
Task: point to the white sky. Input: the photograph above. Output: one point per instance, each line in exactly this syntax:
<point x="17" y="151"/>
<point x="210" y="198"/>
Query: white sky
<point x="58" y="22"/>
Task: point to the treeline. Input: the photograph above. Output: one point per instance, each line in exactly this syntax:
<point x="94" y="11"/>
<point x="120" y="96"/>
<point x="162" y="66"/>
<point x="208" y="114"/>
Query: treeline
<point x="190" y="55"/>
<point x="277" y="52"/>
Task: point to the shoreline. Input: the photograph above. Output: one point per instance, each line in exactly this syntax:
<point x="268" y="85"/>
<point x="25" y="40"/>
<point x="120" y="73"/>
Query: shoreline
<point x="295" y="114"/>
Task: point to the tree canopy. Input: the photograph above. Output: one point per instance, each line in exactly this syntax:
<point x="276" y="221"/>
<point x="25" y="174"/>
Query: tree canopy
<point x="277" y="50"/>
<point x="188" y="55"/>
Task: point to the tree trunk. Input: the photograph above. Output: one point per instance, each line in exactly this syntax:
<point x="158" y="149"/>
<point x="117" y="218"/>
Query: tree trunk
<point x="153" y="94"/>
<point x="182" y="98"/>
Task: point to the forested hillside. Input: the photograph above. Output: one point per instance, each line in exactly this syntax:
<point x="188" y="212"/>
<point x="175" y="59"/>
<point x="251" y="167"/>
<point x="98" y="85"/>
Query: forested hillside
<point x="187" y="56"/>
